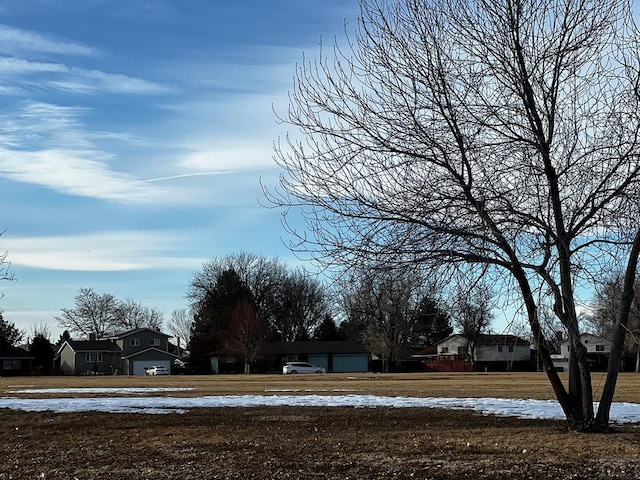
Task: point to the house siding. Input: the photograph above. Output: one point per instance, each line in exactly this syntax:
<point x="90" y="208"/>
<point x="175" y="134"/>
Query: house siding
<point x="492" y="353"/>
<point x="73" y="361"/>
<point x="67" y="360"/>
<point x="452" y="345"/>
<point x="143" y="338"/>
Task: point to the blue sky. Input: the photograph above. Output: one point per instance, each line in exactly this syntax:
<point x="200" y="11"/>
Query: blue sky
<point x="133" y="138"/>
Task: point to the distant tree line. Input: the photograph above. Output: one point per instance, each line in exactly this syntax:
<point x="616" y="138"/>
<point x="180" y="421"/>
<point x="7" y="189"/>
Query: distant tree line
<point x="240" y="302"/>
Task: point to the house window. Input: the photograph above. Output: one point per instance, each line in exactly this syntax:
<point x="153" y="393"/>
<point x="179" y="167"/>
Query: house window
<point x="444" y="350"/>
<point x="462" y="350"/>
<point x="599" y="348"/>
<point x="500" y="348"/>
<point x="93" y="357"/>
<point x="154" y="342"/>
<point x="510" y="349"/>
<point x="135" y="342"/>
<point x="11" y="364"/>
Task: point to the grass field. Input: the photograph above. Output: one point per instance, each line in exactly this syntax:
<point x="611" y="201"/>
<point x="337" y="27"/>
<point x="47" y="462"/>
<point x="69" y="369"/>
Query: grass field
<point x="312" y="442"/>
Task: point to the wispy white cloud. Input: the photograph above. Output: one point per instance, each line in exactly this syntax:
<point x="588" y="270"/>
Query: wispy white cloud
<point x="20" y="66"/>
<point x="74" y="79"/>
<point x="216" y="158"/>
<point x="104" y="252"/>
<point x="47" y="145"/>
<point x="90" y="81"/>
<point x="14" y="41"/>
<point x="74" y="173"/>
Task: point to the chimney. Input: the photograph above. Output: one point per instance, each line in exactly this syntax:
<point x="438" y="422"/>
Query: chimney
<point x="92" y="337"/>
<point x="559" y="342"/>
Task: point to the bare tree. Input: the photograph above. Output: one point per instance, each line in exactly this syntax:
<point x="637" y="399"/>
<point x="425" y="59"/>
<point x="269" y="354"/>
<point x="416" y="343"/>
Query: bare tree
<point x="5" y="265"/>
<point x="292" y="302"/>
<point x="180" y="325"/>
<point x="246" y="334"/>
<point x="386" y="305"/>
<point x="494" y="137"/>
<point x="262" y="275"/>
<point x="473" y="315"/>
<point x="299" y="306"/>
<point x="604" y="315"/>
<point x="93" y="313"/>
<point x="131" y="315"/>
<point x="103" y="314"/>
<point x="40" y="329"/>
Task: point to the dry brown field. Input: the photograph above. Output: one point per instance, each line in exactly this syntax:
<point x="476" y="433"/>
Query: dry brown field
<point x="312" y="442"/>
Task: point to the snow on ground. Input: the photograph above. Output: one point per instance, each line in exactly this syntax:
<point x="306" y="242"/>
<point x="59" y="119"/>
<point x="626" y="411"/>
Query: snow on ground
<point x="110" y="391"/>
<point x="528" y="409"/>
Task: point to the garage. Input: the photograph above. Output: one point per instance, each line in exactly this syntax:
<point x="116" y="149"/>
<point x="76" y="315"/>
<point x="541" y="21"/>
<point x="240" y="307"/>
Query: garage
<point x="140" y="366"/>
<point x="137" y="362"/>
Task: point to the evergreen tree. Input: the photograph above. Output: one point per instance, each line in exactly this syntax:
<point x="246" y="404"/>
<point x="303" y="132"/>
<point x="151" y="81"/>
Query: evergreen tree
<point x="42" y="351"/>
<point x="327" y="330"/>
<point x="213" y="314"/>
<point x="10" y="335"/>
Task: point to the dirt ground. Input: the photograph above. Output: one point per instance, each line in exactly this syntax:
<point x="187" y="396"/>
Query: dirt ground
<point x="311" y="442"/>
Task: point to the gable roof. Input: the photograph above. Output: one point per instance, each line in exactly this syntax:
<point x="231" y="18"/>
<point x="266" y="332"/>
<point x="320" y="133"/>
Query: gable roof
<point x="138" y="330"/>
<point x="589" y="337"/>
<point x="163" y="352"/>
<point x="14" y="353"/>
<point x="492" y="339"/>
<point x="90" y="346"/>
<point x="312" y="347"/>
<point x="502" y="340"/>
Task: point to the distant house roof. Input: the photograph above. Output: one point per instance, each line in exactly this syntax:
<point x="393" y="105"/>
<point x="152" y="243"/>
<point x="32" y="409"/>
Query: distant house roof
<point x="152" y="349"/>
<point x="589" y="337"/>
<point x="137" y="330"/>
<point x="492" y="339"/>
<point x="312" y="347"/>
<point x="14" y="353"/>
<point x="91" y="346"/>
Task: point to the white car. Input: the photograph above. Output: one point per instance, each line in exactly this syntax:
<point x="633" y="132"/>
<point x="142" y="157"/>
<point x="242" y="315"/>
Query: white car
<point x="301" y="367"/>
<point x="157" y="370"/>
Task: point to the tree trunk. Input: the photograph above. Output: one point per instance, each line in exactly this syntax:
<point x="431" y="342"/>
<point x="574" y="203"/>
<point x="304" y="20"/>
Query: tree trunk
<point x="638" y="358"/>
<point x="617" y="345"/>
<point x="569" y="406"/>
<point x="247" y="368"/>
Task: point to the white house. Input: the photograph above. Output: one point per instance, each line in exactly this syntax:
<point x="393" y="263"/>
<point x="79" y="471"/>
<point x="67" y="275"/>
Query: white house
<point x="492" y="352"/>
<point x="598" y="349"/>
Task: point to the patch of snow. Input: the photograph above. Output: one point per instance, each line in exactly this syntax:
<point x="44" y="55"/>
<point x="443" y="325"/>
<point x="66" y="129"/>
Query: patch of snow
<point x="527" y="409"/>
<point x="114" y="391"/>
<point x="295" y="390"/>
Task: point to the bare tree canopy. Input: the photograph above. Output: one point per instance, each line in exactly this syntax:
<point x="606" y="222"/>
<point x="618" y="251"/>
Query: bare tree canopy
<point x="496" y="136"/>
<point x="604" y="310"/>
<point x="392" y="312"/>
<point x="474" y="315"/>
<point x="103" y="314"/>
<point x="179" y="325"/>
<point x="291" y="302"/>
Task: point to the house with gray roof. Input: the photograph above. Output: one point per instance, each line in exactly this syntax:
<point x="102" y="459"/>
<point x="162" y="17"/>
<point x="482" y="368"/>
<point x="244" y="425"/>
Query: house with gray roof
<point x="129" y="353"/>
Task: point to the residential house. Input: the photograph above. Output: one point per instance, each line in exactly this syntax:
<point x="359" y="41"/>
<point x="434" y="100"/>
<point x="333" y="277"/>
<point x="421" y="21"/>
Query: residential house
<point x="129" y="353"/>
<point x="14" y="361"/>
<point x="334" y="356"/>
<point x="598" y="349"/>
<point x="491" y="353"/>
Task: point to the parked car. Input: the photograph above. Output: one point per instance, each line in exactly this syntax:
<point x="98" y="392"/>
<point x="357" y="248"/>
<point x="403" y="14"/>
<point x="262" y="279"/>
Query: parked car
<point x="301" y="367"/>
<point x="157" y="370"/>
